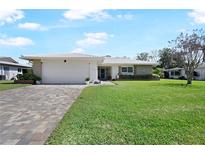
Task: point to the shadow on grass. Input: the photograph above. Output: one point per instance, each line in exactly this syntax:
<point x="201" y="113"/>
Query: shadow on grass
<point x="7" y="83"/>
<point x="176" y="85"/>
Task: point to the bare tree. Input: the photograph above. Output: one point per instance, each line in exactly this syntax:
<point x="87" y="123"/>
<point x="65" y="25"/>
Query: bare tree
<point x="143" y="56"/>
<point x="154" y="55"/>
<point x="191" y="48"/>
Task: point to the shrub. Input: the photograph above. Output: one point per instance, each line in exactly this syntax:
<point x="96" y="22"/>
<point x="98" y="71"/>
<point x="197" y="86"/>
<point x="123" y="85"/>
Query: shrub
<point x="155" y="77"/>
<point x="158" y="71"/>
<point x="28" y="76"/>
<point x="139" y="77"/>
<point x="87" y="79"/>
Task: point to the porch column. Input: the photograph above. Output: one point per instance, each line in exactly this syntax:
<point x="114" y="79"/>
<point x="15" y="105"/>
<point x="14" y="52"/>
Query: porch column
<point x="93" y="71"/>
<point x="114" y="72"/>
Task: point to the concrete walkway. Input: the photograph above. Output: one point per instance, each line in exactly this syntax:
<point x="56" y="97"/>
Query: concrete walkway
<point x="29" y="114"/>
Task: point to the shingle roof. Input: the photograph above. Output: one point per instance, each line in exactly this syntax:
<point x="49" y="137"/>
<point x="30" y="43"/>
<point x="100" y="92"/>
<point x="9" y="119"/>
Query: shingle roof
<point x="14" y="64"/>
<point x="64" y="55"/>
<point x="110" y="60"/>
<point x="8" y="59"/>
<point x="106" y="60"/>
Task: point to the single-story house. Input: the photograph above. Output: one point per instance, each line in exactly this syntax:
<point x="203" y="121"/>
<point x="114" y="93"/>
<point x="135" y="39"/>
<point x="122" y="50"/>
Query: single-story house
<point x="177" y="73"/>
<point x="76" y="67"/>
<point x="9" y="68"/>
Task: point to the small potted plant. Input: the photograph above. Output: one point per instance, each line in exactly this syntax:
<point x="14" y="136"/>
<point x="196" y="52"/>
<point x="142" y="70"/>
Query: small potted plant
<point x="87" y="80"/>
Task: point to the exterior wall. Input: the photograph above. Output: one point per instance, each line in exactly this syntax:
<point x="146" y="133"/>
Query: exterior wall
<point x="93" y="68"/>
<point x="142" y="69"/>
<point x="37" y="67"/>
<point x="73" y="71"/>
<point x="1" y="69"/>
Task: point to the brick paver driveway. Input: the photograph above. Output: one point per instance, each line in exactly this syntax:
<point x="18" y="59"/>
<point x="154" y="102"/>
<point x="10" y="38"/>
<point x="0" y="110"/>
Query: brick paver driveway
<point x="29" y="114"/>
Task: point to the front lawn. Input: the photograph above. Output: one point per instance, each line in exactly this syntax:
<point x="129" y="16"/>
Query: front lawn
<point x="136" y="112"/>
<point x="4" y="85"/>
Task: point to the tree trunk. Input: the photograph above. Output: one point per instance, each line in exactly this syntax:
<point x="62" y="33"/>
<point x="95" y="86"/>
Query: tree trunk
<point x="189" y="78"/>
<point x="189" y="81"/>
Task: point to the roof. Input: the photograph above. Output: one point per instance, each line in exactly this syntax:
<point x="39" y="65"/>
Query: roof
<point x="174" y="69"/>
<point x="64" y="55"/>
<point x="8" y="59"/>
<point x="14" y="64"/>
<point x="110" y="60"/>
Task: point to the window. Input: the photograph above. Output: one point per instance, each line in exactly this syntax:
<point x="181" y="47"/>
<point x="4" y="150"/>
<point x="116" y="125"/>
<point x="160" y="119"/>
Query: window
<point x="127" y="70"/>
<point x="124" y="69"/>
<point x="177" y="73"/>
<point x="130" y="69"/>
<point x="6" y="68"/>
<point x="19" y="70"/>
<point x="172" y="72"/>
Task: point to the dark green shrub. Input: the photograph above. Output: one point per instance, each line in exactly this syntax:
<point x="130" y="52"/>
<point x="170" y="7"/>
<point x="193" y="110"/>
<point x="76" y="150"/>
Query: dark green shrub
<point x="87" y="79"/>
<point x="28" y="76"/>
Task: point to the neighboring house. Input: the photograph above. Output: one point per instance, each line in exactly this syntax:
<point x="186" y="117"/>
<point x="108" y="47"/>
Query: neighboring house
<point x="176" y="73"/>
<point x="76" y="67"/>
<point x="9" y="68"/>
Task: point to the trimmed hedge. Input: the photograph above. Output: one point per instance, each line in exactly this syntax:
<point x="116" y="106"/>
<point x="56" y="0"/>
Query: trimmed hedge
<point x="139" y="77"/>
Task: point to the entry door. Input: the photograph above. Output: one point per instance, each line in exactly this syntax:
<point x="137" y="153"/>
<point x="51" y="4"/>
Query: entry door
<point x="102" y="73"/>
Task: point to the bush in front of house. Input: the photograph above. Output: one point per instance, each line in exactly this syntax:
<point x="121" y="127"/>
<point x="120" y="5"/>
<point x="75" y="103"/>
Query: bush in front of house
<point x="155" y="77"/>
<point x="139" y="77"/>
<point x="28" y="76"/>
<point x="158" y="71"/>
<point x="87" y="79"/>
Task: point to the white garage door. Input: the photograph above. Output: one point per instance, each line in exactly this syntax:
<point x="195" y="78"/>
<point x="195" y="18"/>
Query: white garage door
<point x="59" y="72"/>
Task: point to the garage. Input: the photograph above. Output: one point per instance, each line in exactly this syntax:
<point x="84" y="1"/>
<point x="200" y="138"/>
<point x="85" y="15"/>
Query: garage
<point x="65" y="71"/>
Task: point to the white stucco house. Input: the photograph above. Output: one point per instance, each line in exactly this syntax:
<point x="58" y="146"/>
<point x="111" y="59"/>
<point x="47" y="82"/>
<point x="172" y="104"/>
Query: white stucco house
<point x="9" y="68"/>
<point x="76" y="67"/>
<point x="176" y="73"/>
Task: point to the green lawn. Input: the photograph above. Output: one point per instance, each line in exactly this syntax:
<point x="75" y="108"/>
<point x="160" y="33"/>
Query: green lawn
<point x="4" y="85"/>
<point x="136" y="112"/>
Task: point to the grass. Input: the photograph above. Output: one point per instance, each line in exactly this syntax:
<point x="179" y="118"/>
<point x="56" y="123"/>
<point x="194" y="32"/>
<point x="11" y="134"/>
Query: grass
<point x="136" y="112"/>
<point x="5" y="85"/>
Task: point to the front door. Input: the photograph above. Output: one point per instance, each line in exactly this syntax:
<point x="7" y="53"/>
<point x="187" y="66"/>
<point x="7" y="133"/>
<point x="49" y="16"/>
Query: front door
<point x="102" y="73"/>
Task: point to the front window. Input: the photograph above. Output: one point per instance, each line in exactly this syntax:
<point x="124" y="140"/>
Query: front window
<point x="130" y="69"/>
<point x="127" y="70"/>
<point x="124" y="69"/>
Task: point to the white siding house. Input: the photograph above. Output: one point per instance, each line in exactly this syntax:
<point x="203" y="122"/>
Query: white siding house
<point x="176" y="73"/>
<point x="9" y="68"/>
<point x="75" y="68"/>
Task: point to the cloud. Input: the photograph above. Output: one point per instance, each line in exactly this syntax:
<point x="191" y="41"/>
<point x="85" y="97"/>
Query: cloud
<point x="125" y="16"/>
<point x="31" y="26"/>
<point x="92" y="39"/>
<point x="78" y="50"/>
<point x="198" y="16"/>
<point x="83" y="14"/>
<point x="97" y="15"/>
<point x="10" y="16"/>
<point x="15" y="41"/>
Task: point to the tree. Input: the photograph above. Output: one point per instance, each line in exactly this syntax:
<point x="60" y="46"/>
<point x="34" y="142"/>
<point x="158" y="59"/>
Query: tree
<point x="166" y="58"/>
<point x="143" y="56"/>
<point x="190" y="47"/>
<point x="154" y="56"/>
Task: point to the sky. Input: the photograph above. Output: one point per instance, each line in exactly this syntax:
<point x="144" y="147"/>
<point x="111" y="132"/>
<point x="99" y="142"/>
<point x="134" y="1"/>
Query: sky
<point x="98" y="32"/>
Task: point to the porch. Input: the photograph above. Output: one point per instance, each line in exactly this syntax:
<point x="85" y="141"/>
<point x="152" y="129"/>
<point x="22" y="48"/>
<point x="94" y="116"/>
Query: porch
<point x="104" y="73"/>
